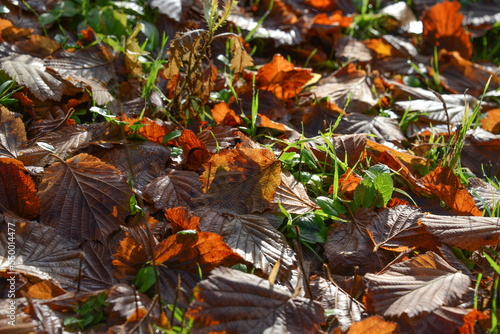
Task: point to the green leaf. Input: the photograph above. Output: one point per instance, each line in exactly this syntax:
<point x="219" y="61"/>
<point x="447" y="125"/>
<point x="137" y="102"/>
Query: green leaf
<point x="383" y="189"/>
<point x="145" y="279"/>
<point x="329" y="206"/>
<point x="492" y="263"/>
<point x="71" y="320"/>
<point x="171" y="135"/>
<point x="312" y="228"/>
<point x="364" y="194"/>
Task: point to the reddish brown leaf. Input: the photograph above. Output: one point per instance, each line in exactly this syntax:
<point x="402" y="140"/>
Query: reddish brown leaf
<point x="317" y="118"/>
<point x="181" y="219"/>
<point x="397" y="229"/>
<point x="264" y="307"/>
<point x="348" y="246"/>
<point x="218" y="138"/>
<point x="470" y="233"/>
<point x="373" y="325"/>
<point x="491" y="122"/>
<point x="125" y="302"/>
<point x="223" y="115"/>
<point x="293" y="195"/>
<point x="347" y="184"/>
<point x="445" y="185"/>
<point x="186" y="255"/>
<point x="152" y="131"/>
<point x="195" y="152"/>
<point x="255" y="238"/>
<point x="443" y="28"/>
<point x="178" y="188"/>
<point x="419" y="285"/>
<point x="84" y="198"/>
<point x="282" y="78"/>
<point x="352" y="147"/>
<point x="243" y="180"/>
<point x="12" y="133"/>
<point x="17" y="190"/>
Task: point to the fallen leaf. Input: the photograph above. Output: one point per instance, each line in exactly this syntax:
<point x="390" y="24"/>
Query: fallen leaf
<point x="349" y="248"/>
<point x="255" y="238"/>
<point x="384" y="128"/>
<point x="421" y="284"/>
<point x="178" y="188"/>
<point x="347" y="309"/>
<point x="45" y="290"/>
<point x="218" y="138"/>
<point x="17" y="190"/>
<point x="373" y="325"/>
<point x="219" y="307"/>
<point x="243" y="180"/>
<point x="443" y="29"/>
<point x="31" y="73"/>
<point x="292" y="195"/>
<point x="446" y="186"/>
<point x="12" y="133"/>
<point x="491" y="122"/>
<point x="470" y="233"/>
<point x="195" y="151"/>
<point x="181" y="219"/>
<point x="282" y="78"/>
<point x="84" y="198"/>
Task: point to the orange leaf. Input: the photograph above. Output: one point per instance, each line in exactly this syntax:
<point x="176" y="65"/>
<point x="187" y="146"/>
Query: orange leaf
<point x="45" y="290"/>
<point x="152" y="131"/>
<point x="195" y="152"/>
<point x="223" y="115"/>
<point x="446" y="186"/>
<point x="17" y="190"/>
<point x="322" y="5"/>
<point x="336" y="19"/>
<point x="373" y="325"/>
<point x="443" y="29"/>
<point x="282" y="78"/>
<point x="181" y="219"/>
<point x="348" y="183"/>
<point x="492" y="122"/>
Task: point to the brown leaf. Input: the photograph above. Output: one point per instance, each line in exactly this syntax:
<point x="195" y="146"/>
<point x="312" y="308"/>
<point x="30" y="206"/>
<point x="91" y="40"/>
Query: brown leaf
<point x="38" y="46"/>
<point x="349" y="83"/>
<point x="397" y="229"/>
<point x="491" y="122"/>
<point x="384" y="128"/>
<point x="293" y="195"/>
<point x="152" y="131"/>
<point x="419" y="285"/>
<point x="241" y="59"/>
<point x="348" y="245"/>
<point x="195" y="151"/>
<point x="125" y="302"/>
<point x="17" y="190"/>
<point x="255" y="238"/>
<point x="219" y="306"/>
<point x="84" y="198"/>
<point x="41" y="252"/>
<point x="352" y="147"/>
<point x="485" y="195"/>
<point x="98" y="272"/>
<point x="347" y="309"/>
<point x="318" y="117"/>
<point x="243" y="180"/>
<point x="218" y="138"/>
<point x="470" y="233"/>
<point x="181" y="219"/>
<point x="373" y="325"/>
<point x="31" y="73"/>
<point x="12" y="133"/>
<point x="45" y="290"/>
<point x="140" y="161"/>
<point x="66" y="139"/>
<point x="445" y="185"/>
<point x="443" y="29"/>
<point x="178" y="188"/>
<point x="282" y="78"/>
<point x="223" y="115"/>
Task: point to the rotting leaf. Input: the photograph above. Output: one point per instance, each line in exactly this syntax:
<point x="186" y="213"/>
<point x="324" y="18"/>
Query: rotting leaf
<point x="17" y="190"/>
<point x="415" y="286"/>
<point x="219" y="306"/>
<point x="243" y="180"/>
<point x="84" y="198"/>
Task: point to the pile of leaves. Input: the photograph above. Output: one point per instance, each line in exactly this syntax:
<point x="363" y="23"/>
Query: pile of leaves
<point x="175" y="166"/>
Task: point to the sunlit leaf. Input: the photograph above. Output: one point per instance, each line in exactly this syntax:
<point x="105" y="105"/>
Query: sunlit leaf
<point x="373" y="325"/>
<point x="181" y="219"/>
<point x="195" y="151"/>
<point x="230" y="300"/>
<point x="293" y="195"/>
<point x="84" y="198"/>
<point x="419" y="285"/>
<point x="12" y="133"/>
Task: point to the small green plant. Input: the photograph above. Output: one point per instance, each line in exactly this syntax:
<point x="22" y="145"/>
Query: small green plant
<point x="7" y="88"/>
<point x="376" y="188"/>
<point x="89" y="313"/>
